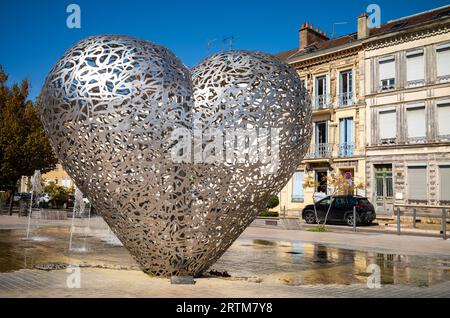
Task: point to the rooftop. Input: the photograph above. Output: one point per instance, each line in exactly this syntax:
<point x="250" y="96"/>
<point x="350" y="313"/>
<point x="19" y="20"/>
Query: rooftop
<point x="400" y="24"/>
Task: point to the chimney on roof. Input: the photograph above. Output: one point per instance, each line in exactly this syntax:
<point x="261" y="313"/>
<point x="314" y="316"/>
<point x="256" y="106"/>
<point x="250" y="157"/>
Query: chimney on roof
<point x="363" y="29"/>
<point x="308" y="35"/>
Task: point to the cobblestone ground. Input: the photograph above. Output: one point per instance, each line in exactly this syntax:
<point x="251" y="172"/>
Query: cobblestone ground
<point x="263" y="263"/>
<point x="124" y="283"/>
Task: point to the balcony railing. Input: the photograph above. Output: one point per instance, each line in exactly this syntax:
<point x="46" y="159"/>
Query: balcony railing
<point x="443" y="78"/>
<point x="321" y="102"/>
<point x="345" y="99"/>
<point x="444" y="138"/>
<point x="417" y="140"/>
<point x="320" y="151"/>
<point x="346" y="150"/>
<point x="415" y="83"/>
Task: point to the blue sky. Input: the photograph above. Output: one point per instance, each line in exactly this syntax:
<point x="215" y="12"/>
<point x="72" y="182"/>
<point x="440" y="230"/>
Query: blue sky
<point x="34" y="33"/>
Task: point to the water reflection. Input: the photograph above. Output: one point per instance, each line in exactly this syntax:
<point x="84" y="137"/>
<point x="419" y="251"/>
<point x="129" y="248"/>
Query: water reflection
<point x="292" y="263"/>
<point x="297" y="263"/>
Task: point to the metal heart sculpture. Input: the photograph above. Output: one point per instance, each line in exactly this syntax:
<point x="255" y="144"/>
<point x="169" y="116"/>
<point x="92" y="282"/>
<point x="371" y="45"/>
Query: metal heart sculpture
<point x="120" y="113"/>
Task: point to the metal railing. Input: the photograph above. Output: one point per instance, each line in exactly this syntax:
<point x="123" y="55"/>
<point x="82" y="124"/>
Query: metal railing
<point x="346" y="150"/>
<point x="321" y="102"/>
<point x="414" y="212"/>
<point x="320" y="151"/>
<point x="345" y="99"/>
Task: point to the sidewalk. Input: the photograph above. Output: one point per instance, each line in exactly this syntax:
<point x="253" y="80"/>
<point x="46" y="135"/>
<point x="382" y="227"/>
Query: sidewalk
<point x="298" y="224"/>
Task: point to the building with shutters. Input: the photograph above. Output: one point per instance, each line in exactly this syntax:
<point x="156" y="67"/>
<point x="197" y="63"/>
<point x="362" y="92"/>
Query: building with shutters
<point x="381" y="110"/>
<point x="331" y="72"/>
<point x="407" y="96"/>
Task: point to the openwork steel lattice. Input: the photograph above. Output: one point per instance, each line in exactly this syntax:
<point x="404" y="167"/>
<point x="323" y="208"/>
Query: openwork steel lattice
<point x="110" y="106"/>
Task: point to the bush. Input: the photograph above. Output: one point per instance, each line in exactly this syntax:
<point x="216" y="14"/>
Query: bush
<point x="268" y="214"/>
<point x="273" y="203"/>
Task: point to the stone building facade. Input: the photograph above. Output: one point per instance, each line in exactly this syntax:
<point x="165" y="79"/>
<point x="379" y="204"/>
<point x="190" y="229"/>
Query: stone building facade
<point x="380" y="101"/>
<point x="407" y="95"/>
<point x="330" y="70"/>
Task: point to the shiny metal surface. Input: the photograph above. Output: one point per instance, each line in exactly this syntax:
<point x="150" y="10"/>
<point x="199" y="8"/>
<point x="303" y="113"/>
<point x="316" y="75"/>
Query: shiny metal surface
<point x="111" y="105"/>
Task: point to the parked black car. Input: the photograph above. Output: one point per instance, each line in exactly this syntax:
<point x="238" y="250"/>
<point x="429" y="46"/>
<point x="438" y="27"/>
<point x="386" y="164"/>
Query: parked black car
<point x="341" y="210"/>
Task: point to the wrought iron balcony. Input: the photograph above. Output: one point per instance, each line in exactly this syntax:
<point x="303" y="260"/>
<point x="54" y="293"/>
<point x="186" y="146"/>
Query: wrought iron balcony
<point x="415" y="83"/>
<point x="417" y="140"/>
<point x="443" y="78"/>
<point x="346" y="150"/>
<point x="320" y="151"/>
<point x="321" y="102"/>
<point x="345" y="99"/>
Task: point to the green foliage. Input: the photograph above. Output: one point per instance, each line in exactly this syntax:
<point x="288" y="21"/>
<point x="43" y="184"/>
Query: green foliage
<point x="268" y="214"/>
<point x="24" y="147"/>
<point x="273" y="203"/>
<point x="320" y="228"/>
<point x="58" y="194"/>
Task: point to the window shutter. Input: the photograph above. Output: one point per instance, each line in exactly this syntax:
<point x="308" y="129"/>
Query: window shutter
<point x="444" y="173"/>
<point x="416" y="122"/>
<point x="415" y="69"/>
<point x="443" y="119"/>
<point x="388" y="124"/>
<point x="297" y="186"/>
<point x="387" y="68"/>
<point x="417" y="183"/>
<point x="443" y="61"/>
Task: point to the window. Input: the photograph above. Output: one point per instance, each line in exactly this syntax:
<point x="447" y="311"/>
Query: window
<point x="415" y="68"/>
<point x="417" y="183"/>
<point x="415" y="117"/>
<point x="387" y="73"/>
<point x="346" y="88"/>
<point x="56" y="181"/>
<point x="321" y="91"/>
<point x="325" y="202"/>
<point x="303" y="83"/>
<point x="322" y="148"/>
<point x="346" y="145"/>
<point x="297" y="187"/>
<point x="388" y="125"/>
<point x="444" y="172"/>
<point x="443" y="115"/>
<point x="443" y="61"/>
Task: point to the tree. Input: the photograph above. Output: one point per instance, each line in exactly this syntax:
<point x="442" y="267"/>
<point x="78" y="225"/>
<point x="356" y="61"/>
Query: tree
<point x="337" y="184"/>
<point x="58" y="194"/>
<point x="24" y="147"/>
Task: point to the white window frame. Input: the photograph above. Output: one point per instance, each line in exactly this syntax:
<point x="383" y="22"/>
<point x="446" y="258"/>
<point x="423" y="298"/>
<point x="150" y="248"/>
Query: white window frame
<point x="410" y="55"/>
<point x="387" y="83"/>
<point x="417" y="165"/>
<point x="387" y="140"/>
<point x="442" y="77"/>
<point x="411" y="108"/>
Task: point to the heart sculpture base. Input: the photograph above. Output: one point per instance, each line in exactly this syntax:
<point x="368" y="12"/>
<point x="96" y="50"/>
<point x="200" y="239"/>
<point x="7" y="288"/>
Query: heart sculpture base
<point x="167" y="154"/>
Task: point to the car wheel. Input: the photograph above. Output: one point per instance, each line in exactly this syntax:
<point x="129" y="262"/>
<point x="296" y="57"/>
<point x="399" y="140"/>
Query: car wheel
<point x="310" y="218"/>
<point x="349" y="219"/>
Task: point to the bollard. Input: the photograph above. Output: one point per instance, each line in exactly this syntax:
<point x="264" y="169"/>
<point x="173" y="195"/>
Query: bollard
<point x="444" y="224"/>
<point x="354" y="219"/>
<point x="414" y="217"/>
<point x="398" y="221"/>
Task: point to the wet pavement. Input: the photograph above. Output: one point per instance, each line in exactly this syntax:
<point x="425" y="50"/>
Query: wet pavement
<point x="278" y="262"/>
